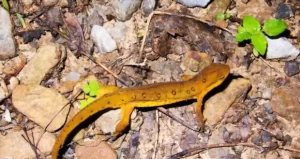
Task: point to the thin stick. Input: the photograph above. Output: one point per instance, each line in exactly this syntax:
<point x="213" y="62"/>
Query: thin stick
<point x="32" y="145"/>
<point x="69" y="102"/>
<point x="105" y="68"/>
<point x="174" y="117"/>
<point x="157" y="134"/>
<point x="263" y="60"/>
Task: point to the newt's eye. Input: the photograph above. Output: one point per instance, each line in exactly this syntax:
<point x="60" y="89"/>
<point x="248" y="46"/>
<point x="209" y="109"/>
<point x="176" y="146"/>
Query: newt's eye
<point x="204" y="80"/>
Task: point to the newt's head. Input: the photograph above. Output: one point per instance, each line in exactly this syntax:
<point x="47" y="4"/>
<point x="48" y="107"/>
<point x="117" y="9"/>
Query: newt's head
<point x="212" y="76"/>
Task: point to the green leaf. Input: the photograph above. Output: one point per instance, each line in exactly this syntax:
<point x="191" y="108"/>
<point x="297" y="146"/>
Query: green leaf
<point x="86" y="102"/>
<point x="242" y="34"/>
<point x="5" y="5"/>
<point x="220" y="16"/>
<point x="227" y="16"/>
<point x="83" y="103"/>
<point x="90" y="100"/>
<point x="259" y="42"/>
<point x="21" y="19"/>
<point x="94" y="85"/>
<point x="274" y="27"/>
<point x="255" y="52"/>
<point x="94" y="92"/>
<point x="86" y="88"/>
<point x="251" y="24"/>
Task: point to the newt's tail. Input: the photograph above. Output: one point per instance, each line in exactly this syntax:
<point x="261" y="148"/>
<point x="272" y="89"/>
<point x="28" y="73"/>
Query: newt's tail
<point x="81" y="116"/>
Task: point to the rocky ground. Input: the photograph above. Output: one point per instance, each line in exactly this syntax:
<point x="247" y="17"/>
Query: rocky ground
<point x="50" y="48"/>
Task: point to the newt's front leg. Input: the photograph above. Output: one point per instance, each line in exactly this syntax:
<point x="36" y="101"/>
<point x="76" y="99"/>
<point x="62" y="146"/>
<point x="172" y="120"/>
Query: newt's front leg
<point x="198" y="109"/>
<point x="126" y="110"/>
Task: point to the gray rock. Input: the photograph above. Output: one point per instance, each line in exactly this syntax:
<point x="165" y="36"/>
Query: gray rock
<point x="125" y="8"/>
<point x="73" y="76"/>
<point x="281" y="48"/>
<point x="7" y="43"/>
<point x="194" y="3"/>
<point x="148" y="6"/>
<point x="284" y="11"/>
<point x="118" y="31"/>
<point x="291" y="68"/>
<point x="103" y="39"/>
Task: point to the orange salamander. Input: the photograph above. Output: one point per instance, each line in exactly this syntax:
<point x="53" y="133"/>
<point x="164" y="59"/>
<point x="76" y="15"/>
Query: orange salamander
<point x="152" y="95"/>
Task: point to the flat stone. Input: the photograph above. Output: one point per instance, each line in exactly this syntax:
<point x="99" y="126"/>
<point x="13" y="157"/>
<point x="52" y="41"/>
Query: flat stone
<point x="214" y="111"/>
<point x="285" y="102"/>
<point x="95" y="149"/>
<point x="41" y="104"/>
<point x="281" y="48"/>
<point x="46" y="58"/>
<point x="13" y="144"/>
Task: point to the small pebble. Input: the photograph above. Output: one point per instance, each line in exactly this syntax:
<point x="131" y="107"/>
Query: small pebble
<point x="194" y="3"/>
<point x="268" y="108"/>
<point x="291" y="68"/>
<point x="284" y="11"/>
<point x="256" y="140"/>
<point x="281" y="48"/>
<point x="288" y="139"/>
<point x="148" y="6"/>
<point x="266" y="136"/>
<point x="102" y="39"/>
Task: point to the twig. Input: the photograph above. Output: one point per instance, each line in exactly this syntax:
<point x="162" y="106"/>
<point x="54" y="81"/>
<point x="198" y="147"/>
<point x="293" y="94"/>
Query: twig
<point x="69" y="102"/>
<point x="32" y="145"/>
<point x="157" y="134"/>
<point x="105" y="68"/>
<point x="289" y="149"/>
<point x="199" y="149"/>
<point x="174" y="117"/>
<point x="270" y="65"/>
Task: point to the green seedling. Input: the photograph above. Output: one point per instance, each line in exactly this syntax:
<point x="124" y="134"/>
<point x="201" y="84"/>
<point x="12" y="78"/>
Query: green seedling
<point x="252" y="30"/>
<point x="90" y="89"/>
<point x="223" y="16"/>
<point x="5" y="5"/>
<point x="21" y="19"/>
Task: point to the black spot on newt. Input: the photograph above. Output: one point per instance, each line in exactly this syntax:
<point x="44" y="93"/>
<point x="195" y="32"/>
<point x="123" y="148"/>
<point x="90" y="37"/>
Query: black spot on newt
<point x="203" y="80"/>
<point x="192" y="89"/>
<point x="133" y="97"/>
<point x="158" y="95"/>
<point x="144" y="95"/>
<point x="188" y="91"/>
<point x="173" y="92"/>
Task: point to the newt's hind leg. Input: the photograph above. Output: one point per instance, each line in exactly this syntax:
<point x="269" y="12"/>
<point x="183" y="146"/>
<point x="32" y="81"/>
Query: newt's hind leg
<point x="198" y="109"/>
<point x="126" y="111"/>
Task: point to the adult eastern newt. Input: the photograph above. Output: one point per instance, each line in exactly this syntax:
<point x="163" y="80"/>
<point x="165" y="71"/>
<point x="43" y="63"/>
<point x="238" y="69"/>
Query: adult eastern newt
<point x="152" y="95"/>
